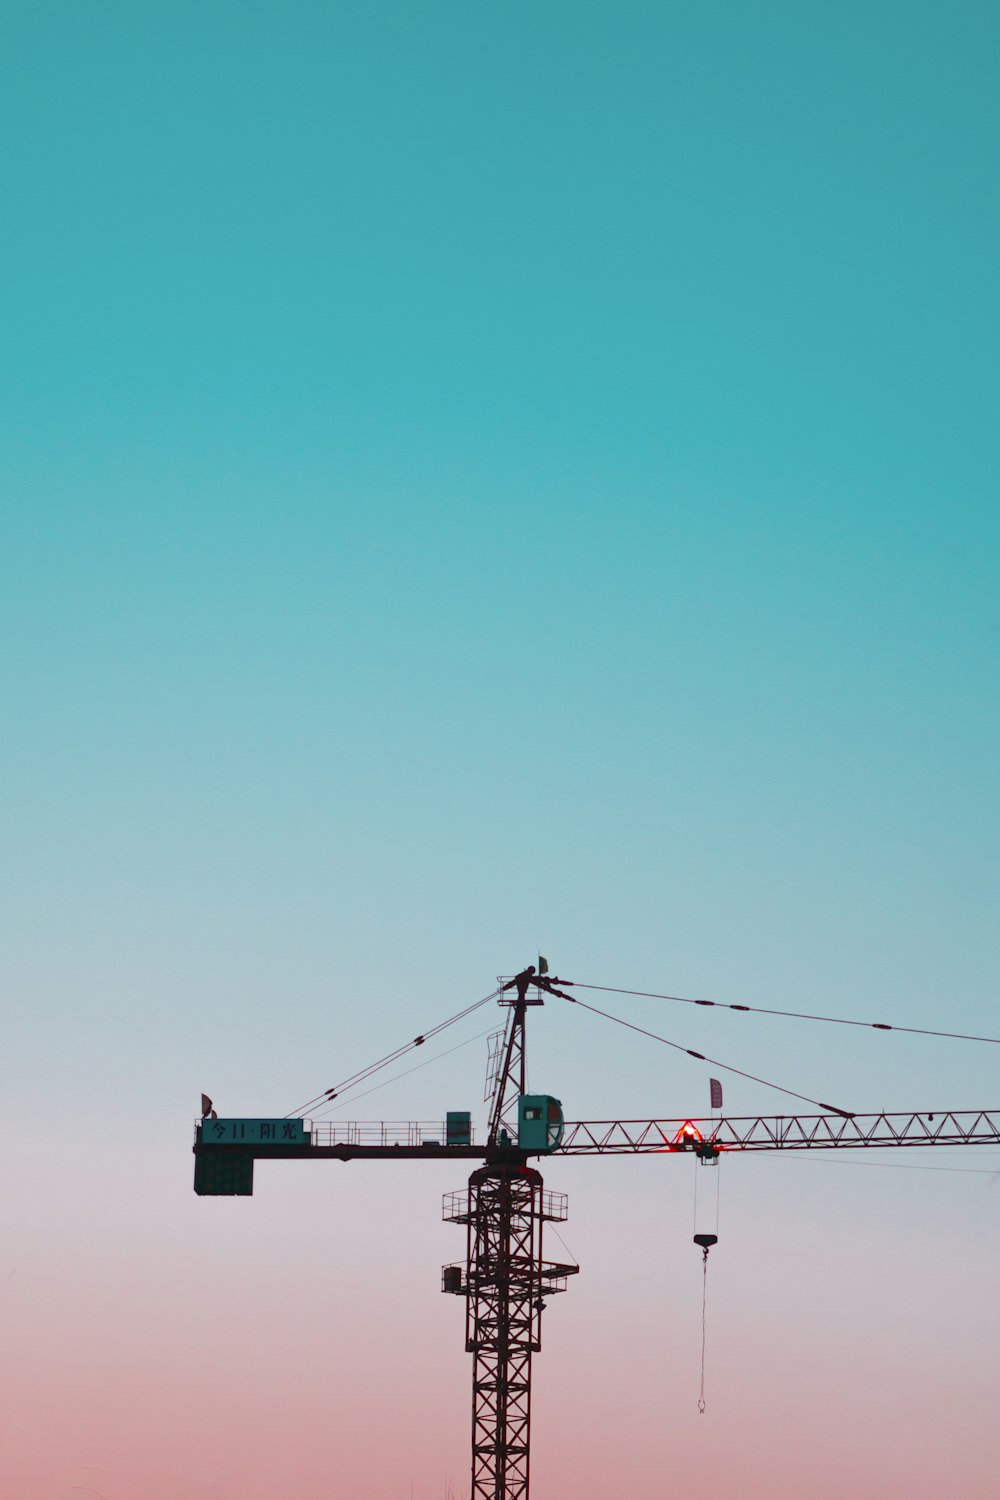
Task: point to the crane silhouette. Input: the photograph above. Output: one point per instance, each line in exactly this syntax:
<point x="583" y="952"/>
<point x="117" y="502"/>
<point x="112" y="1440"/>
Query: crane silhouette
<point x="505" y="1277"/>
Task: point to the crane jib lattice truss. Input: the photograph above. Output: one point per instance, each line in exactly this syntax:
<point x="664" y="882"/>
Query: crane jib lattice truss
<point x="388" y="1141"/>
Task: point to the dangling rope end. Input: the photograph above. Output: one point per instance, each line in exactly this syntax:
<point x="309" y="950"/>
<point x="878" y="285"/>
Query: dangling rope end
<point x="706" y="1241"/>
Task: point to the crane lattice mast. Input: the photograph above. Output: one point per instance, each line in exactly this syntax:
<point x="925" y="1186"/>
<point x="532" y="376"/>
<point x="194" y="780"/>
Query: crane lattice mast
<point x="506" y="1277"/>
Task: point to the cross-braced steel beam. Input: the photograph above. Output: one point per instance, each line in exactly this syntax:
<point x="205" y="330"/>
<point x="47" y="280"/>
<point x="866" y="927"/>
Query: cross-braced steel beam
<point x="505" y="1281"/>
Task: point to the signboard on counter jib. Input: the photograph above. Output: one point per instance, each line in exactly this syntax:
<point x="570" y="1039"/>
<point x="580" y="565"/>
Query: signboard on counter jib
<point x="254" y="1133"/>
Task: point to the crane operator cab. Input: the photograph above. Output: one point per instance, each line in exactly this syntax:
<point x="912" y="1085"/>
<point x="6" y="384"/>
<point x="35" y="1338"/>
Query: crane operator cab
<point x="539" y="1122"/>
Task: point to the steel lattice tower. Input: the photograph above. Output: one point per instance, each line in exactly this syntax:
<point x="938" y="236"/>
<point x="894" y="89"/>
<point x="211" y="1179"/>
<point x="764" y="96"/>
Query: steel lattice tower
<point x="505" y="1280"/>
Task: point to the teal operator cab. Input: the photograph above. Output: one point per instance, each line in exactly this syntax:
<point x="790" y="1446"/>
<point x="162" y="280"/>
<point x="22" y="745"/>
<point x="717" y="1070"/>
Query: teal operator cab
<point x="539" y="1122"/>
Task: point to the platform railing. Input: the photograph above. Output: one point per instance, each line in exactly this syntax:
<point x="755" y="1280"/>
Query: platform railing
<point x="377" y="1132"/>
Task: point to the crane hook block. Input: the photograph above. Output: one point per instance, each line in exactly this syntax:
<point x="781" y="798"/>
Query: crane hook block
<point x="706" y="1241"/>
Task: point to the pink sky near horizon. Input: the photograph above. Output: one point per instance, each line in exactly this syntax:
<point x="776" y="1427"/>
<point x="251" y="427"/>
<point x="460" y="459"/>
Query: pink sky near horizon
<point x="253" y="1350"/>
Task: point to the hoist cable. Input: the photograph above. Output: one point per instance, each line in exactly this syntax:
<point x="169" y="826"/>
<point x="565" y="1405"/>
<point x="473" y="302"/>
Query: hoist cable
<point x="704" y="1306"/>
<point x="796" y="1015"/>
<point x="700" y="1056"/>
<point x="327" y="1095"/>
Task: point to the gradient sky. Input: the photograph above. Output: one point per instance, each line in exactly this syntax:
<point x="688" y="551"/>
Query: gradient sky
<point x="480" y="479"/>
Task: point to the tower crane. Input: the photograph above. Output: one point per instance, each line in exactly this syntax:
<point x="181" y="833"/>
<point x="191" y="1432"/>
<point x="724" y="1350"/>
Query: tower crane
<point x="505" y="1277"/>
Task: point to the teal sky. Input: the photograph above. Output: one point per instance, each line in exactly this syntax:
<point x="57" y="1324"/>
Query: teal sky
<point x="477" y="479"/>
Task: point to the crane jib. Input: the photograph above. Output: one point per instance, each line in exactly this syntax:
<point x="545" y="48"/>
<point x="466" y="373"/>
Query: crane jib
<point x="590" y="1137"/>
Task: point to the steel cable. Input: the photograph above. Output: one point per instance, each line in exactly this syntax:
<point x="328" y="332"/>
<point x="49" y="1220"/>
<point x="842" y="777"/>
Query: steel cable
<point x="796" y="1015"/>
<point x="701" y="1057"/>
<point x="328" y="1095"/>
<point x="405" y="1074"/>
<point x="704" y="1307"/>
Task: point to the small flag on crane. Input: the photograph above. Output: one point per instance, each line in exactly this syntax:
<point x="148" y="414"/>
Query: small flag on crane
<point x="715" y="1088"/>
<point x="543" y="965"/>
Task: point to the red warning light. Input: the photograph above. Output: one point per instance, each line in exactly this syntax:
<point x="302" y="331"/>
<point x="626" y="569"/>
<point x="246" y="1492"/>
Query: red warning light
<point x="687" y="1137"/>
